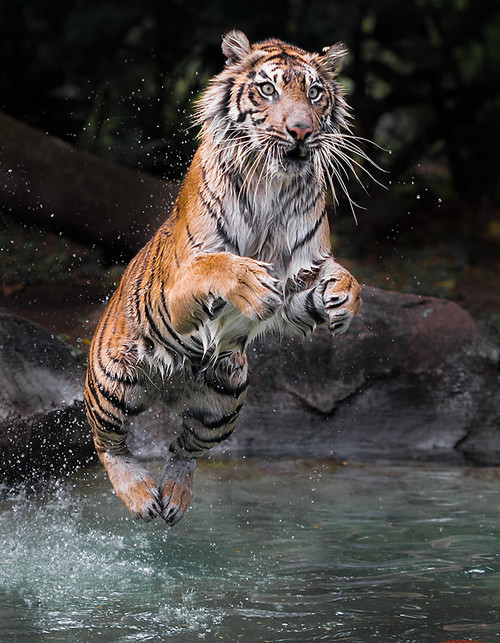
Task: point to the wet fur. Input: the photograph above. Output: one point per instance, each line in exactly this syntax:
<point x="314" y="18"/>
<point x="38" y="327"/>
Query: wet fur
<point x="246" y="249"/>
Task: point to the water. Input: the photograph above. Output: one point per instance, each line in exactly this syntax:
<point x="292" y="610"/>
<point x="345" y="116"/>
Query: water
<point x="269" y="551"/>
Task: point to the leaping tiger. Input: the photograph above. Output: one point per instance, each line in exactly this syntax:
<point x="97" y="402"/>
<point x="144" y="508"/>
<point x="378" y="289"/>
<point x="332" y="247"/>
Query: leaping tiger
<point x="246" y="249"/>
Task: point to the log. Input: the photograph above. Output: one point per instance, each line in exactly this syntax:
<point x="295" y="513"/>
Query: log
<point x="48" y="183"/>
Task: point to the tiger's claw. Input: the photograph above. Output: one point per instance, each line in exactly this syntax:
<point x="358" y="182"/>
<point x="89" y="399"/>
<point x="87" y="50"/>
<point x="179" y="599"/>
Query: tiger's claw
<point x="176" y="489"/>
<point x="341" y="296"/>
<point x="133" y="485"/>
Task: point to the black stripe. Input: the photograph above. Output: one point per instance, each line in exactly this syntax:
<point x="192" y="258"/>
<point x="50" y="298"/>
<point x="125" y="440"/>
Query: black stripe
<point x="265" y="75"/>
<point x="98" y="390"/>
<point x="138" y="281"/>
<point x="184" y="446"/>
<point x="239" y="96"/>
<point x="158" y="336"/>
<point x="226" y="390"/>
<point x="256" y="102"/>
<point x="328" y="103"/>
<point x="103" y="426"/>
<point x="203" y="442"/>
<point x="307" y="237"/>
<point x="226" y="103"/>
<point x="165" y="318"/>
<point x="192" y="241"/>
<point x="248" y="112"/>
<point x="311" y="309"/>
<point x="292" y="197"/>
<point x="221" y="228"/>
<point x="95" y="405"/>
<point x="216" y="424"/>
<point x="312" y="201"/>
<point x="154" y="330"/>
<point x="90" y="406"/>
<point x="203" y="305"/>
<point x="284" y="56"/>
<point x="123" y="378"/>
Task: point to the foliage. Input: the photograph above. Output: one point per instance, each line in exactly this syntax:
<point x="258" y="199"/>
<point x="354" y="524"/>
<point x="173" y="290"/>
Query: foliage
<point x="31" y="257"/>
<point x="119" y="77"/>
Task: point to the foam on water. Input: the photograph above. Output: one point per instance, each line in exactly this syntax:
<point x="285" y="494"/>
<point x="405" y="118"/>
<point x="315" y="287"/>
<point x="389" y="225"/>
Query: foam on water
<point x="75" y="563"/>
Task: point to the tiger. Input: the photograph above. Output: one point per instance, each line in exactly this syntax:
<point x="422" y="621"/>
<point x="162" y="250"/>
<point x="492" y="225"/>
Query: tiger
<point x="245" y="250"/>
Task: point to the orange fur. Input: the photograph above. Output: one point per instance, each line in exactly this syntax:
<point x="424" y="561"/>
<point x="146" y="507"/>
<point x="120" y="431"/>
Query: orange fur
<point x="246" y="248"/>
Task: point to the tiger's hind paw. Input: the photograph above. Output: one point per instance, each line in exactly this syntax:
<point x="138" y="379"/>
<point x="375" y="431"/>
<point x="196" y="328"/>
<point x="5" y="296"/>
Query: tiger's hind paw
<point x="133" y="485"/>
<point x="176" y="489"/>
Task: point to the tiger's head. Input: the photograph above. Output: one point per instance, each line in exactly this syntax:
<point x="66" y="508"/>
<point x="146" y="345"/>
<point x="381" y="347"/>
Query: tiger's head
<point x="277" y="110"/>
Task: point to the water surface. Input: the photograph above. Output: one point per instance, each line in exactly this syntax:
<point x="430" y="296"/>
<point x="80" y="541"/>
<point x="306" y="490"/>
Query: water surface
<point x="269" y="551"/>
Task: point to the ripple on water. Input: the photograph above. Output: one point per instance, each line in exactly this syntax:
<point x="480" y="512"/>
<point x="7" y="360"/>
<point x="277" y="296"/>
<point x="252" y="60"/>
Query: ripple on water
<point x="398" y="553"/>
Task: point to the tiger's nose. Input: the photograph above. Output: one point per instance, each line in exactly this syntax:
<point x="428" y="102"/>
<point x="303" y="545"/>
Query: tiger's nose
<point x="300" y="131"/>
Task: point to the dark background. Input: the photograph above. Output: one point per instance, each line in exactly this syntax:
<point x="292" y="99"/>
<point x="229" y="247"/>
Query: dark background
<point x="118" y="79"/>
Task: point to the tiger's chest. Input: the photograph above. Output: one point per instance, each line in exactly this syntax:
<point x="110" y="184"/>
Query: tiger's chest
<point x="277" y="231"/>
<point x="273" y="225"/>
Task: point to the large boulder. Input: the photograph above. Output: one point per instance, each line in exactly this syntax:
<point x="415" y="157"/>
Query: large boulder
<point x="412" y="378"/>
<point x="42" y="420"/>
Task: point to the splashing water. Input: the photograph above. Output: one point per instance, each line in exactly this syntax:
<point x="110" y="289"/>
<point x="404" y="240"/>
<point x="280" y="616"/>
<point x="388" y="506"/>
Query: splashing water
<point x="277" y="551"/>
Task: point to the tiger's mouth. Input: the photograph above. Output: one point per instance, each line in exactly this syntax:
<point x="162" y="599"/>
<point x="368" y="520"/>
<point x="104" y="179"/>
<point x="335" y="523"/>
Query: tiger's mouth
<point x="299" y="153"/>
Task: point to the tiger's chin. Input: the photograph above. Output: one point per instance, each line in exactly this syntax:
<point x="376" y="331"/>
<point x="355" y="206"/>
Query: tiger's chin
<point x="297" y="159"/>
<point x="294" y="163"/>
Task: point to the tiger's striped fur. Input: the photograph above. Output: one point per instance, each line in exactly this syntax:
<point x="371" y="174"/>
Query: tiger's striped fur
<point x="246" y="249"/>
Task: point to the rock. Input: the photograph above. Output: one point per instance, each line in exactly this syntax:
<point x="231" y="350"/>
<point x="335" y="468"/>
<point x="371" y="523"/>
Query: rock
<point x="42" y="420"/>
<point x="412" y="378"/>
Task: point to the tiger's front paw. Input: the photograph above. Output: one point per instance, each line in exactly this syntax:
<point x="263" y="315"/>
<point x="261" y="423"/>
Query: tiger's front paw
<point x="133" y="485"/>
<point x="212" y="279"/>
<point x="176" y="489"/>
<point x="253" y="290"/>
<point x="341" y="296"/>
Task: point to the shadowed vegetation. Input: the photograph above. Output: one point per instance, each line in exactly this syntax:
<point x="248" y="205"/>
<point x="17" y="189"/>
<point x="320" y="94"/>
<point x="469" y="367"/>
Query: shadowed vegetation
<point x="118" y="79"/>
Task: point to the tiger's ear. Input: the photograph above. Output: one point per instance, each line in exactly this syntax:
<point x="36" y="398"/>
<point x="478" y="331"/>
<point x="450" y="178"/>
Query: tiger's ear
<point x="333" y="56"/>
<point x="235" y="46"/>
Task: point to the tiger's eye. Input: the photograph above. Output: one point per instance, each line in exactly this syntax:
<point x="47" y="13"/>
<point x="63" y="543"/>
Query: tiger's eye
<point x="314" y="92"/>
<point x="267" y="89"/>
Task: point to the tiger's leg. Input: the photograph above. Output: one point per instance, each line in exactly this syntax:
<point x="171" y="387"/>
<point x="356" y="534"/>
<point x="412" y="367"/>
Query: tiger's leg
<point x="132" y="482"/>
<point x="113" y="393"/>
<point x="209" y="416"/>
